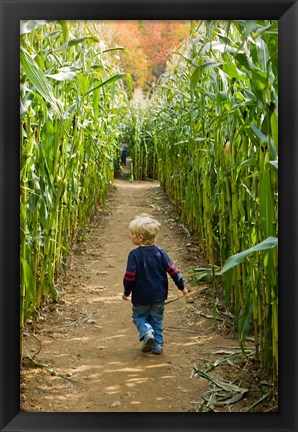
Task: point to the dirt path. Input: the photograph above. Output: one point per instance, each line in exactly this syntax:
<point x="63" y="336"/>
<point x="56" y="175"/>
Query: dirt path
<point x="88" y="339"/>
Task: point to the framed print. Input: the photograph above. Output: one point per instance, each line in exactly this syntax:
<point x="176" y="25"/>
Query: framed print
<point x="13" y="12"/>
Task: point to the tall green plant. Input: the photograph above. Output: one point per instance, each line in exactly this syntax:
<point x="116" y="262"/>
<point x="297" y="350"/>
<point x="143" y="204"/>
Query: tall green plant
<point x="214" y="119"/>
<point x="72" y="102"/>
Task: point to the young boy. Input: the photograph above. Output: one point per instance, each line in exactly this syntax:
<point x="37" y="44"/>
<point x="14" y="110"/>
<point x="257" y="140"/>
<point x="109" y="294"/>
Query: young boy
<point x="146" y="279"/>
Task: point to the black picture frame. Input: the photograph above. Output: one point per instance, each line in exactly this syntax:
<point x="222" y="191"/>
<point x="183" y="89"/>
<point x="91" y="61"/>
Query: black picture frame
<point x="11" y="12"/>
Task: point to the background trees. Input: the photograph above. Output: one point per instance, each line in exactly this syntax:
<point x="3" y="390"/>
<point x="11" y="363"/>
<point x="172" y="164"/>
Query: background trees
<point x="149" y="44"/>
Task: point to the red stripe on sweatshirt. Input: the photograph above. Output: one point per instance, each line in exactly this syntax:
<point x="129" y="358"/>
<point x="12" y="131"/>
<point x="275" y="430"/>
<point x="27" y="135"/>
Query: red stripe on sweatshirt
<point x="169" y="268"/>
<point x="131" y="279"/>
<point x="174" y="272"/>
<point x="130" y="273"/>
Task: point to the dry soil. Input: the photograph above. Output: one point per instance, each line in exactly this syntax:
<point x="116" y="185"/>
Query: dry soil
<point x="85" y="355"/>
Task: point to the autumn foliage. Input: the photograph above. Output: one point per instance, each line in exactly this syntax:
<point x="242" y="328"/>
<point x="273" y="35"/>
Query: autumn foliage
<point x="149" y="44"/>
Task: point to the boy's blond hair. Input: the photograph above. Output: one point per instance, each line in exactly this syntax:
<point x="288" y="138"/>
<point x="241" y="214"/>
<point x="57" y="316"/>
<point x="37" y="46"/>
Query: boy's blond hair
<point x="146" y="226"/>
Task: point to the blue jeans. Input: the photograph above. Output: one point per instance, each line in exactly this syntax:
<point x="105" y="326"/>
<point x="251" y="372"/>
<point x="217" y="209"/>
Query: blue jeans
<point x="148" y="318"/>
<point x="123" y="157"/>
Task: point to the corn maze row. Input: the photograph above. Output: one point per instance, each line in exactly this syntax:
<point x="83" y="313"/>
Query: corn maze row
<point x="208" y="130"/>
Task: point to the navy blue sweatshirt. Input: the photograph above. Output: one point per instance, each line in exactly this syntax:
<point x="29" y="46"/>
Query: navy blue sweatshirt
<point x="146" y="275"/>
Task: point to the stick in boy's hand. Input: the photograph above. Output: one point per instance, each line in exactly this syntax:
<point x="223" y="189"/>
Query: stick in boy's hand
<point x="185" y="291"/>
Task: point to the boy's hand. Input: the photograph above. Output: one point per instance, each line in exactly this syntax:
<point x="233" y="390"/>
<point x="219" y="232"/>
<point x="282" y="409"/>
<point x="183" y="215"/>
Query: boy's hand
<point x="124" y="297"/>
<point x="185" y="291"/>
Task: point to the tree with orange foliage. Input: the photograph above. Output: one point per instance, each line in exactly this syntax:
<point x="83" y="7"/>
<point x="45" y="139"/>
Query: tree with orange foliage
<point x="127" y="34"/>
<point x="159" y="39"/>
<point x="149" y="44"/>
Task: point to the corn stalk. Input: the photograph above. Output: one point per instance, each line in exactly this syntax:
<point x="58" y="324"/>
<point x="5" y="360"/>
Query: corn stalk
<point x="71" y="103"/>
<point x="214" y="119"/>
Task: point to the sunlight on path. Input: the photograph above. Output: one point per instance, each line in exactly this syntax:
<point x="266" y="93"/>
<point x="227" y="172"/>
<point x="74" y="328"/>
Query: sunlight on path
<point x="129" y="381"/>
<point x="95" y="341"/>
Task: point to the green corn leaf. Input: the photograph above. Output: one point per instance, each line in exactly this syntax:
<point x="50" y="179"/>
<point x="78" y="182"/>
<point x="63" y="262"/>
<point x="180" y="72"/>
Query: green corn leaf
<point x="243" y="60"/>
<point x="129" y="81"/>
<point x="274" y="164"/>
<point x="83" y="83"/>
<point x="189" y="60"/>
<point x="116" y="49"/>
<point x="259" y="133"/>
<point x="39" y="80"/>
<point x="198" y="73"/>
<point x="108" y="81"/>
<point x="65" y="31"/>
<point x="62" y="76"/>
<point x="261" y="30"/>
<point x="74" y="42"/>
<point x="237" y="259"/>
<point x="218" y="46"/>
<point x="272" y="150"/>
<point x="234" y="72"/>
<point x="28" y="278"/>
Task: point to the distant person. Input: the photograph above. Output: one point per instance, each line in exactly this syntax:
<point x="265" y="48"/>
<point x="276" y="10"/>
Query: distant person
<point x="123" y="154"/>
<point x="146" y="279"/>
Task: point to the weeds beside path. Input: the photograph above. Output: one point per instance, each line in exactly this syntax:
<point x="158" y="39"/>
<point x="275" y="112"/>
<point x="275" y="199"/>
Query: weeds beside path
<point x="87" y="339"/>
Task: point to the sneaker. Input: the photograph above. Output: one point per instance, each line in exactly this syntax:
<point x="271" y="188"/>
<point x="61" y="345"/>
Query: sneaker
<point x="148" y="342"/>
<point x="157" y="349"/>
